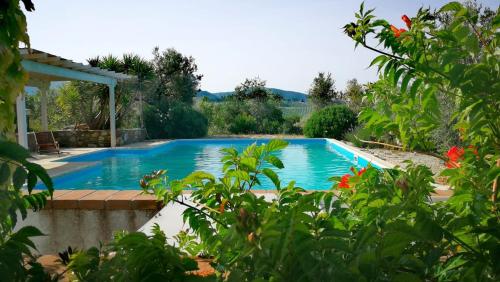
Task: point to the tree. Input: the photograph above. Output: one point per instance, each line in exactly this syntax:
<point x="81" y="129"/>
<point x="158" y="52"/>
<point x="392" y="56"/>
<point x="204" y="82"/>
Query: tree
<point x="354" y="94"/>
<point x="176" y="76"/>
<point x="92" y="99"/>
<point x="323" y="92"/>
<point x="254" y="88"/>
<point x="458" y="60"/>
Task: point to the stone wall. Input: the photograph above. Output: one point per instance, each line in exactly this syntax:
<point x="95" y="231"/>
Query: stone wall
<point x="98" y="138"/>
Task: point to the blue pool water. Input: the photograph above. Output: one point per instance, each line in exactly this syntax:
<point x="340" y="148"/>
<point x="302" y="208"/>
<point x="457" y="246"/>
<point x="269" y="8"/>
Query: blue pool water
<point x="310" y="162"/>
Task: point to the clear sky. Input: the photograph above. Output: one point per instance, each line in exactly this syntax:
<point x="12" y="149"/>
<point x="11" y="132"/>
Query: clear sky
<point x="285" y="42"/>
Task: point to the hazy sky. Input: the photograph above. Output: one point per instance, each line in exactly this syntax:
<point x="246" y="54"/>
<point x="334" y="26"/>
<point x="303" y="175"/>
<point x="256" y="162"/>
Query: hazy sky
<point x="286" y="42"/>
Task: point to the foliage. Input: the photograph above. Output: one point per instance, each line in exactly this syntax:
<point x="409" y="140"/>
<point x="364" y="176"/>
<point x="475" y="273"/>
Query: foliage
<point x="243" y="117"/>
<point x="381" y="226"/>
<point x="94" y="97"/>
<point x="12" y="77"/>
<point x="452" y="60"/>
<point x="174" y="120"/>
<point x="333" y="122"/>
<point x="254" y="88"/>
<point x="455" y="59"/>
<point x="354" y="94"/>
<point x="17" y="263"/>
<point x="358" y="133"/>
<point x="65" y="108"/>
<point x="381" y="120"/>
<point x="133" y="257"/>
<point x="242" y="123"/>
<point x="176" y="76"/>
<point x="323" y="92"/>
<point x="15" y="171"/>
<point x="291" y="125"/>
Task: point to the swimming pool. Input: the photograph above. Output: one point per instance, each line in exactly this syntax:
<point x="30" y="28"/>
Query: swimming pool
<point x="310" y="162"/>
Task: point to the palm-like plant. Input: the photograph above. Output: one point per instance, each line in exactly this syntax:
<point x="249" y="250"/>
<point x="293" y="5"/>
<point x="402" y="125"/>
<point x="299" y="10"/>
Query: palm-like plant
<point x="98" y="95"/>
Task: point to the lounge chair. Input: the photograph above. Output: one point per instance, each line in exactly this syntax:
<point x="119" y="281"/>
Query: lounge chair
<point x="46" y="142"/>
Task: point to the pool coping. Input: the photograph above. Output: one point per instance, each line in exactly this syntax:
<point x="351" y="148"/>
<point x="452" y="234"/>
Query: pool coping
<point x="136" y="200"/>
<point x="358" y="153"/>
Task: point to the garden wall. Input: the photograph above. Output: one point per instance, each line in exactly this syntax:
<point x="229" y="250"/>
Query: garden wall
<point x="98" y="138"/>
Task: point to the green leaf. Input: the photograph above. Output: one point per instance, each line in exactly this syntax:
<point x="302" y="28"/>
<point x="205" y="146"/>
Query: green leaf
<point x="272" y="176"/>
<point x="249" y="163"/>
<point x="275" y="161"/>
<point x="4" y="172"/>
<point x="380" y="60"/>
<point x="276" y="144"/>
<point x="199" y="175"/>
<point x="240" y="174"/>
<point x="13" y="151"/>
<point x="42" y="174"/>
<point x="19" y="177"/>
<point x="32" y="179"/>
<point x="414" y="87"/>
<point x="406" y="80"/>
<point x="452" y="6"/>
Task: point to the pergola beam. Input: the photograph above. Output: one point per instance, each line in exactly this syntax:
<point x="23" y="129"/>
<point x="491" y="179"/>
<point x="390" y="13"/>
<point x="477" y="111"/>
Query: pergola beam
<point x="69" y="74"/>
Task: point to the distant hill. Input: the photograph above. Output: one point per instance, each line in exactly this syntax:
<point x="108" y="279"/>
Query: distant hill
<point x="285" y="94"/>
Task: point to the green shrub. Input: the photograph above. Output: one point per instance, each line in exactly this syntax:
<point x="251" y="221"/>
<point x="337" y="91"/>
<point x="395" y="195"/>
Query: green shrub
<point x="291" y="125"/>
<point x="175" y="120"/>
<point x="332" y="122"/>
<point x="358" y="133"/>
<point x="243" y="117"/>
<point x="242" y="123"/>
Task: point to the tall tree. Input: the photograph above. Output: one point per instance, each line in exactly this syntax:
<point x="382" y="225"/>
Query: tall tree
<point x="177" y="78"/>
<point x="323" y="92"/>
<point x="354" y="93"/>
<point x="254" y="88"/>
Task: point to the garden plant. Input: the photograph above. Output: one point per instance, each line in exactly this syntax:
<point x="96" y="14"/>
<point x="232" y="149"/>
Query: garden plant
<point x="373" y="225"/>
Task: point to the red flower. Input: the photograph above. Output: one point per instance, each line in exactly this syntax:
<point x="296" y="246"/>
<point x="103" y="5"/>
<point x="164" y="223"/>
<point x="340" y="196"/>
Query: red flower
<point x="361" y="171"/>
<point x="397" y="32"/>
<point x="394" y="29"/>
<point x="344" y="181"/>
<point x="454" y="154"/>
<point x="407" y="21"/>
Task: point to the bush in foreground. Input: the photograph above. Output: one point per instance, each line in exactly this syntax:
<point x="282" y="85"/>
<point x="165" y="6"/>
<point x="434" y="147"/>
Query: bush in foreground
<point x="331" y="122"/>
<point x="372" y="226"/>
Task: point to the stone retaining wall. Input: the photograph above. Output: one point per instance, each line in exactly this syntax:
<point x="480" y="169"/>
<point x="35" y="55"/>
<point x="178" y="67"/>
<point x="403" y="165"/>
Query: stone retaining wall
<point x="98" y="138"/>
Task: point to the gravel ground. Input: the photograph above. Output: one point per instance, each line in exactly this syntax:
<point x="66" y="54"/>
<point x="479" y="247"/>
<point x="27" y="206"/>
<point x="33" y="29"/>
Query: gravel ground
<point x="397" y="157"/>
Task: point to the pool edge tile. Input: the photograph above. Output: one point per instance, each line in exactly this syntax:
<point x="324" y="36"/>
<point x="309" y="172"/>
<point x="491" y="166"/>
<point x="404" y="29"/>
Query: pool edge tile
<point x="70" y="200"/>
<point x="96" y="200"/>
<point x="121" y="200"/>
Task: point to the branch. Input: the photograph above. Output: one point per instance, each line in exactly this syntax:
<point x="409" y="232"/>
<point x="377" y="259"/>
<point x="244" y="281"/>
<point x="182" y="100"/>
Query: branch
<point x="401" y="148"/>
<point x="201" y="211"/>
<point x="382" y="52"/>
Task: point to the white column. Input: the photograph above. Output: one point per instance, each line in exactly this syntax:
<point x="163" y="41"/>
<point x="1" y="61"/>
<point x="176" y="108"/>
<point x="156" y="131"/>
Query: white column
<point x="43" y="108"/>
<point x="112" y="121"/>
<point x="22" y="127"/>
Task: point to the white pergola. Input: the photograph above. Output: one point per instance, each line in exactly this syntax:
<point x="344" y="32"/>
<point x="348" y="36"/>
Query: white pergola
<point x="44" y="68"/>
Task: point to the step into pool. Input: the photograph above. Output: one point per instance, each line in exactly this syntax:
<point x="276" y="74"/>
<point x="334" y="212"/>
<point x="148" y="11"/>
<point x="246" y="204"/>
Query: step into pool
<point x="310" y="162"/>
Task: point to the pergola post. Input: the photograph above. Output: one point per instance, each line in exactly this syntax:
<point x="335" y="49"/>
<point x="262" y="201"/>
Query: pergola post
<point x="112" y="121"/>
<point x="22" y="127"/>
<point x="43" y="107"/>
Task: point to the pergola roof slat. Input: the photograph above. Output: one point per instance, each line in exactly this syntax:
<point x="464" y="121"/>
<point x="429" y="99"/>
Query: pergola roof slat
<point x="41" y="57"/>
